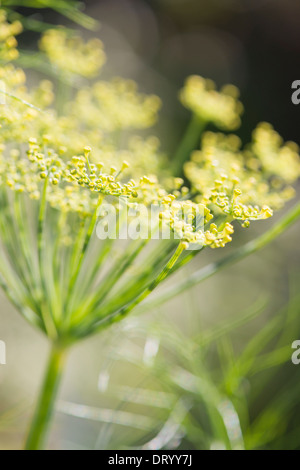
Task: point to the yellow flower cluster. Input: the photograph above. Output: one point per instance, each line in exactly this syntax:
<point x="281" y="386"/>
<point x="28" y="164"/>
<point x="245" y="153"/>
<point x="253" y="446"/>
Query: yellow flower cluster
<point x="72" y="185"/>
<point x="115" y="105"/>
<point x="243" y="183"/>
<point x="190" y="222"/>
<point x="278" y="160"/>
<point x="8" y="43"/>
<point x="226" y="181"/>
<point x="69" y="54"/>
<point x="221" y="108"/>
<point x="91" y="176"/>
<point x="103" y="116"/>
<point x="183" y="219"/>
<point x="217" y="237"/>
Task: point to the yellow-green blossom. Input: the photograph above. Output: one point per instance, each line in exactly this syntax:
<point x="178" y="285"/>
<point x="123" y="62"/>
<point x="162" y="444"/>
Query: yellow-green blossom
<point x="69" y="54"/>
<point x="243" y="184"/>
<point x="8" y="43"/>
<point x="221" y="108"/>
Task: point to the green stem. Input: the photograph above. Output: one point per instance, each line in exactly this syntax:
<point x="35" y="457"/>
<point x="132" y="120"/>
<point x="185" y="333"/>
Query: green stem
<point x="64" y="94"/>
<point x="118" y="269"/>
<point x="20" y="100"/>
<point x="81" y="257"/>
<point x="27" y="312"/>
<point x="121" y="313"/>
<point x="161" y="277"/>
<point x="85" y="246"/>
<point x="42" y="417"/>
<point x="204" y="273"/>
<point x="190" y="142"/>
<point x="46" y="314"/>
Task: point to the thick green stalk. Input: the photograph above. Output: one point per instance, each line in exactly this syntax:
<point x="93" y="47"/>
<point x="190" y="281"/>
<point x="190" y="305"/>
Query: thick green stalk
<point x="204" y="273"/>
<point x="42" y="417"/>
<point x="190" y="142"/>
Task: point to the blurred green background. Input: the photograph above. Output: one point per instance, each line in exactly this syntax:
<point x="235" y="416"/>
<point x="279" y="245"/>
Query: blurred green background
<point x="253" y="44"/>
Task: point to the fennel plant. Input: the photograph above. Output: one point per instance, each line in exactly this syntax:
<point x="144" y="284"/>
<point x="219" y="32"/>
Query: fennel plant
<point x="70" y="157"/>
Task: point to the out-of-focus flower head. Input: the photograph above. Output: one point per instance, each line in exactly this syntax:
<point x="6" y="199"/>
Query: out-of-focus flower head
<point x="8" y="42"/>
<point x="244" y="184"/>
<point x="69" y="54"/>
<point x="219" y="107"/>
<point x="116" y="105"/>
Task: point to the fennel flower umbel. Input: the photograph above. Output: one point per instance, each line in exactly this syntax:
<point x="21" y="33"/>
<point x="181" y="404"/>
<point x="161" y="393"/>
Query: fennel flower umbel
<point x="61" y="166"/>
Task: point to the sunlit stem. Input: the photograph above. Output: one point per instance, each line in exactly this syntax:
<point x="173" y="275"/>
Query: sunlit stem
<point x="117" y="316"/>
<point x="42" y="417"/>
<point x="20" y="100"/>
<point x="82" y="255"/>
<point x="47" y="318"/>
<point x="64" y="93"/>
<point x="190" y="142"/>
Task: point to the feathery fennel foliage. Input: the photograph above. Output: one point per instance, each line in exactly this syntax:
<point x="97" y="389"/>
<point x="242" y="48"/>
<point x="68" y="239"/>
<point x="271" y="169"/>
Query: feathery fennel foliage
<point x="200" y="391"/>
